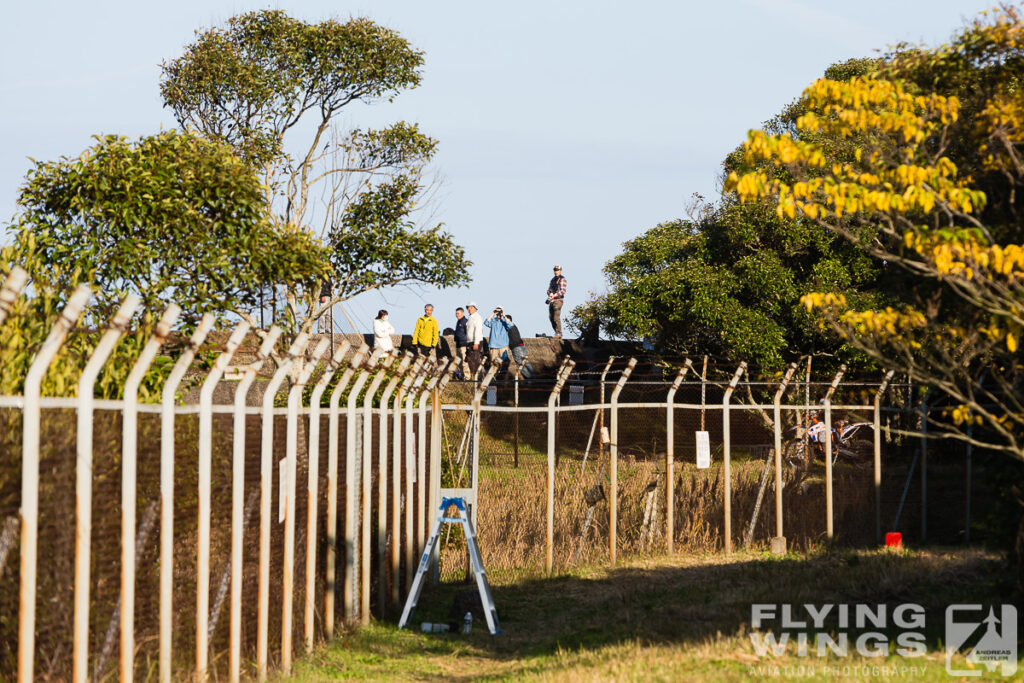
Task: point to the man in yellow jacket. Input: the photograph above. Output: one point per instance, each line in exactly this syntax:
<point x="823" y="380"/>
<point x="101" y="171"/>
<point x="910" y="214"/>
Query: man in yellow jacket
<point x="427" y="334"/>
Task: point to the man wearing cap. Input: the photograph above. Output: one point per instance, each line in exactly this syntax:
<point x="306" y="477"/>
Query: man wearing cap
<point x="474" y="337"/>
<point x="497" y="340"/>
<point x="556" y="295"/>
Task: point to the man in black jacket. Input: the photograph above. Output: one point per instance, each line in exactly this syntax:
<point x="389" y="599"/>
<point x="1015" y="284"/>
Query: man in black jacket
<point x="461" y="342"/>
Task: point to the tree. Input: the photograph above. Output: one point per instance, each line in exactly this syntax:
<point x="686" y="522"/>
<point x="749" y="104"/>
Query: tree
<point x="266" y="81"/>
<point x="729" y="280"/>
<point x="932" y="187"/>
<point x="171" y="217"/>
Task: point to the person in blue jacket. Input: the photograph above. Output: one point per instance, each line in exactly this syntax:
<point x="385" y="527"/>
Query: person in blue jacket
<point x="497" y="339"/>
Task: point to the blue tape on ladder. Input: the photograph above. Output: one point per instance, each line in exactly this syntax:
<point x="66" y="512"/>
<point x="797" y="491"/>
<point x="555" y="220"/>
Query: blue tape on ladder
<point x="457" y="502"/>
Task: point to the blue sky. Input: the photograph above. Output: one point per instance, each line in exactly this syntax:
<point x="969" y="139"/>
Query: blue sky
<point x="565" y="128"/>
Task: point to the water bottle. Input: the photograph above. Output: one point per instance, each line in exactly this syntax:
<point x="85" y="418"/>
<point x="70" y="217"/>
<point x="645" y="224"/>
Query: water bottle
<point x="467" y="623"/>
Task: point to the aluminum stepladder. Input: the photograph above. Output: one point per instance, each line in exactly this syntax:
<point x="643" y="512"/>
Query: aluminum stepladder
<point x="476" y="564"/>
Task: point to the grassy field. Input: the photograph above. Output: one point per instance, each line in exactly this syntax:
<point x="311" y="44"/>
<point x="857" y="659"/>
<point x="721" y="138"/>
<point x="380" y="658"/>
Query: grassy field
<point x="680" y="618"/>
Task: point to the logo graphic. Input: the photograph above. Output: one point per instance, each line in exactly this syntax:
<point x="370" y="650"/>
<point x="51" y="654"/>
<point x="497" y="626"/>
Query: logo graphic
<point x="988" y="639"/>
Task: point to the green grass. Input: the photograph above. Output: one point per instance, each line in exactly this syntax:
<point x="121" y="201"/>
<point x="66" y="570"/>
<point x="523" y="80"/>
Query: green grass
<point x="685" y="617"/>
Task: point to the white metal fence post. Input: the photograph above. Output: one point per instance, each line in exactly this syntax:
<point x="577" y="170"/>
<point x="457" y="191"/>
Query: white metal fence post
<point x="83" y="482"/>
<point x="205" y="464"/>
<point x="396" y="478"/>
<point x="829" y="515"/>
<point x="30" y="479"/>
<point x="167" y="398"/>
<point x="382" y="481"/>
<point x="266" y="483"/>
<point x="727" y="454"/>
<point x="129" y="463"/>
<point x="411" y="456"/>
<point x="670" y="457"/>
<point x="549" y="536"/>
<point x="877" y="441"/>
<point x="436" y="426"/>
<point x="237" y="498"/>
<point x="290" y="487"/>
<point x="11" y="288"/>
<point x="779" y="542"/>
<point x="312" y="492"/>
<point x="613" y="450"/>
<point x="353" y="484"/>
<point x="367" y="481"/>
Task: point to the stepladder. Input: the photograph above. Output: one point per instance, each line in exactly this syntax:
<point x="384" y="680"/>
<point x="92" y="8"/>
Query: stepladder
<point x="476" y="564"/>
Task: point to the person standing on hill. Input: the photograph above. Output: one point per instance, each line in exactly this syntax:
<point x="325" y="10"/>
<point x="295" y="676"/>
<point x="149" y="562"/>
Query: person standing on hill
<point x="461" y="340"/>
<point x="556" y="295"/>
<point x="474" y="337"/>
<point x="427" y="333"/>
<point x="382" y="331"/>
<point x="497" y="339"/>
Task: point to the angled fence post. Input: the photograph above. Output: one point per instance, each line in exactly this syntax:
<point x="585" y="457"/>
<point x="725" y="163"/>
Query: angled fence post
<point x="11" y="288"/>
<point x="549" y="536"/>
<point x="779" y="542"/>
<point x="727" y="454"/>
<point x="30" y="479"/>
<point x="266" y="485"/>
<point x="877" y="441"/>
<point x="613" y="451"/>
<point x="829" y="516"/>
<point x="478" y="396"/>
<point x="129" y="463"/>
<point x="237" y="496"/>
<point x="670" y="457"/>
<point x="396" y="478"/>
<point x="205" y="464"/>
<point x="83" y="481"/>
<point x="382" y="481"/>
<point x="367" y="493"/>
<point x="353" y="483"/>
<point x="167" y="398"/>
<point x="290" y="487"/>
<point x="600" y="415"/>
<point x="436" y="426"/>
<point x="312" y="509"/>
<point x="411" y="456"/>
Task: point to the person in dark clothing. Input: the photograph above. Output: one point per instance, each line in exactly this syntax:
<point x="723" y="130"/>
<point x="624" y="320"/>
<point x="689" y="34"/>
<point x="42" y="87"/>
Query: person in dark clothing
<point x="556" y="296"/>
<point x="461" y="341"/>
<point x="518" y="349"/>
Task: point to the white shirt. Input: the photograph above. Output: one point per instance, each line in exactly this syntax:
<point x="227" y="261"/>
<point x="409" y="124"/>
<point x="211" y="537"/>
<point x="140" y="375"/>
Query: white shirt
<point x="475" y="328"/>
<point x="382" y="331"/>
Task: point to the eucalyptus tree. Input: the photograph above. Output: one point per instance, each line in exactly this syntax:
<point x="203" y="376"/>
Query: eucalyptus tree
<point x="273" y="88"/>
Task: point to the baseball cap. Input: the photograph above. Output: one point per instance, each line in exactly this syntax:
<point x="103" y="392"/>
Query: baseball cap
<point x="473" y="304"/>
<point x="557" y="268"/>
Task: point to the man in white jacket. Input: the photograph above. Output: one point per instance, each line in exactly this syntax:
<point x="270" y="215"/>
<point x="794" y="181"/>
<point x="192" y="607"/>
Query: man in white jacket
<point x="474" y="336"/>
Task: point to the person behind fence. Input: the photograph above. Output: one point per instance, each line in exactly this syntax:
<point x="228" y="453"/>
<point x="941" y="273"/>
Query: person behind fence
<point x="382" y="331"/>
<point x="518" y="349"/>
<point x="497" y="338"/>
<point x="474" y="337"/>
<point x="556" y="295"/>
<point x="427" y="333"/>
<point x="461" y="341"/>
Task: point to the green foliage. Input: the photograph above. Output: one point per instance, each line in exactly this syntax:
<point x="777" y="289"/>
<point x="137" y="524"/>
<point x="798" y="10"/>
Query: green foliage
<point x="171" y="217"/>
<point x="251" y="81"/>
<point x="730" y="284"/>
<point x="264" y="76"/>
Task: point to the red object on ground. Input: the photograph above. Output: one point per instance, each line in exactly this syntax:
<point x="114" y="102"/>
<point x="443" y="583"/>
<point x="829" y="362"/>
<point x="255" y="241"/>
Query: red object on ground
<point x="894" y="539"/>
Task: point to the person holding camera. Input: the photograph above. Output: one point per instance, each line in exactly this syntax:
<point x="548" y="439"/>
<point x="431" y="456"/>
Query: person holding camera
<point x="497" y="339"/>
<point x="556" y="296"/>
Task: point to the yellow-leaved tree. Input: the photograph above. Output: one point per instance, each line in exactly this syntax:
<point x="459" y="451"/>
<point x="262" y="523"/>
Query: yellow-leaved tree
<point x="931" y="186"/>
